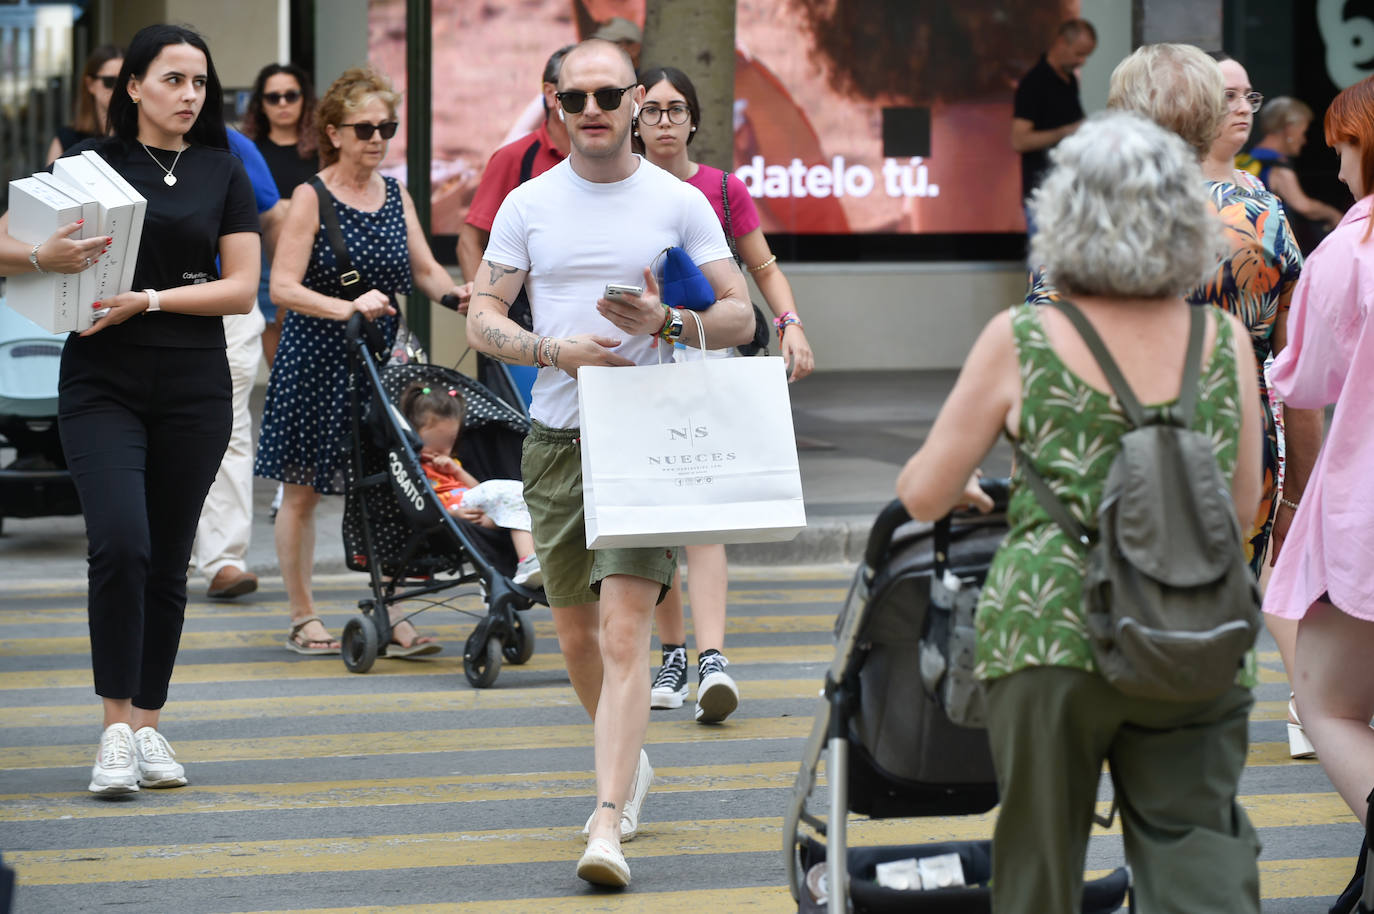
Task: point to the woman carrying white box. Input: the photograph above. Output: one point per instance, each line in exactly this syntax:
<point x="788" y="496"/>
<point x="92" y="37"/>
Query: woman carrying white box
<point x="144" y="395"/>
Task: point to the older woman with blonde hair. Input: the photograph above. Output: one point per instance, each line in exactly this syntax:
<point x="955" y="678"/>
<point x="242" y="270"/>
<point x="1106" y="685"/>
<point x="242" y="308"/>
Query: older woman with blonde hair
<point x="1126" y="228"/>
<point x="306" y="415"/>
<point x="1181" y="88"/>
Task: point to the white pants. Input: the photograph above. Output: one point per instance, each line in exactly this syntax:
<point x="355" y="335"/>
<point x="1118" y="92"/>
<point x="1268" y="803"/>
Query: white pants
<point x="226" y="520"/>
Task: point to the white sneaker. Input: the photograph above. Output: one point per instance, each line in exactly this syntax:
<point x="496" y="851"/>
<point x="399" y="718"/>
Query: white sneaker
<point x="156" y="767"/>
<point x="116" y="765"/>
<point x="717" y="694"/>
<point x="629" y="816"/>
<point x="528" y="573"/>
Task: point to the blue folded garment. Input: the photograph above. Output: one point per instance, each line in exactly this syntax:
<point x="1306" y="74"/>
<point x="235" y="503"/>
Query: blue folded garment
<point x="683" y="285"/>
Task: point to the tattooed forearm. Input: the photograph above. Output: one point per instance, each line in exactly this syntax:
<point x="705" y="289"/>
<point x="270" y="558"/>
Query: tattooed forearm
<point x="503" y="339"/>
<point x="485" y="294"/>
<point x="498" y="270"/>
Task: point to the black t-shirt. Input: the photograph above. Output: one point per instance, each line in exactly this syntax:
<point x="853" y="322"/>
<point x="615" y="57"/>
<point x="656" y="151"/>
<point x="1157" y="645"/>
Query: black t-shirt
<point x="1047" y="101"/>
<point x="68" y="136"/>
<point x="181" y="232"/>
<point x="287" y="167"/>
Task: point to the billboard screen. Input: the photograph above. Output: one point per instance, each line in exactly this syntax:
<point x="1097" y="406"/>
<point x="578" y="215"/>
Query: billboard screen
<point x="851" y="116"/>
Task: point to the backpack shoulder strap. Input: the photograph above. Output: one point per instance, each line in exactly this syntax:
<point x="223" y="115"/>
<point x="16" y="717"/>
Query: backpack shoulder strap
<point x="1052" y="504"/>
<point x="527" y="162"/>
<point x="725" y="207"/>
<point x="1135" y="413"/>
<point x="348" y="277"/>
<point x="1192" y="365"/>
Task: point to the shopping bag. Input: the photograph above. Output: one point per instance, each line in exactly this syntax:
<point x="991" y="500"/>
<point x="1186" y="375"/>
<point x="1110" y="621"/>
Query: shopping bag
<point x="689" y="453"/>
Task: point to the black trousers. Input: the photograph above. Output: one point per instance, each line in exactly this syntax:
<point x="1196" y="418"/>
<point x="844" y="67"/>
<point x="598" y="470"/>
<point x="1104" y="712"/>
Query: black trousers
<point x="144" y="429"/>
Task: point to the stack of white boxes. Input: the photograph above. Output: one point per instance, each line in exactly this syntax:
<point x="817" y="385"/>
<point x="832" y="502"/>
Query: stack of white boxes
<point x="80" y="187"/>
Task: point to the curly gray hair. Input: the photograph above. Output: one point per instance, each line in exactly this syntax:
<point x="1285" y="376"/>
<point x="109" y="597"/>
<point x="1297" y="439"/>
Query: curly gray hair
<point x="1124" y="212"/>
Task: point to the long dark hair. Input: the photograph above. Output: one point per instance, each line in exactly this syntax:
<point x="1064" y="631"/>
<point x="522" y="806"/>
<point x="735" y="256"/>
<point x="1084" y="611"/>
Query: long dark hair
<point x="208" y="130"/>
<point x="83" y="117"/>
<point x="652" y="76"/>
<point x="255" y="125"/>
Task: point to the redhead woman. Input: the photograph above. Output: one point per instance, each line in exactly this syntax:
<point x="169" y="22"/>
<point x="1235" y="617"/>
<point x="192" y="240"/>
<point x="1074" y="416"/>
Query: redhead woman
<point x="306" y="415"/>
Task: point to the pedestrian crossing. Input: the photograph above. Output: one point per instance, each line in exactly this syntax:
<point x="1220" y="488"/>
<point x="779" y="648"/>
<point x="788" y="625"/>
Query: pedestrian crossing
<point x="313" y="789"/>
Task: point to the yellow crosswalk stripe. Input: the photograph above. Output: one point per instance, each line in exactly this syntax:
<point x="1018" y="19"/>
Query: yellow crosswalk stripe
<point x="392" y="791"/>
<point x="193" y="640"/>
<point x="767" y="899"/>
<point x="344" y="604"/>
<point x="1278" y="879"/>
<point x="450" y="665"/>
<point x="407" y="742"/>
<point x="301" y="706"/>
<point x="337" y="854"/>
<point x="332" y="667"/>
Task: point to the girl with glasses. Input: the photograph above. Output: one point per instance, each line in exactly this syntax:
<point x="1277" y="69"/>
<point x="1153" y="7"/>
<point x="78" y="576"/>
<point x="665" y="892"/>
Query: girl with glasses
<point x="664" y="128"/>
<point x="92" y="100"/>
<point x="305" y="418"/>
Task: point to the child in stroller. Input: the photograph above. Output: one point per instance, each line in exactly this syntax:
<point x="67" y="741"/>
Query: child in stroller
<point x="436" y="414"/>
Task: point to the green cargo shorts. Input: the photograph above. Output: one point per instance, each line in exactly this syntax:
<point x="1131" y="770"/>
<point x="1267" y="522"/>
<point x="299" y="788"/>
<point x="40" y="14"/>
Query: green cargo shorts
<point x="551" y="463"/>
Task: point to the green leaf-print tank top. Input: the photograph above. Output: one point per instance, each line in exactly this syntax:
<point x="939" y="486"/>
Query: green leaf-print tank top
<point x="1030" y="611"/>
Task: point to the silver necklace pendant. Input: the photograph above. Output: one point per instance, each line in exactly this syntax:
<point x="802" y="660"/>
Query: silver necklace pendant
<point x="169" y="179"/>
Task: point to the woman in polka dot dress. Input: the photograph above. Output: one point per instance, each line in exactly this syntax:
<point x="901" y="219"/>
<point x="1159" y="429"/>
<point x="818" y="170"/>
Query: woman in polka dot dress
<point x="306" y="417"/>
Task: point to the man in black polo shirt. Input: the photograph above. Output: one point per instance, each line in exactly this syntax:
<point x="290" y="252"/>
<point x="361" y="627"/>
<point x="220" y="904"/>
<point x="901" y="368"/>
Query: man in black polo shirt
<point x="1047" y="108"/>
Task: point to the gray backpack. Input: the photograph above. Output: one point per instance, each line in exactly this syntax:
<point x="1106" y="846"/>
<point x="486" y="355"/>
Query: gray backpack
<point x="1171" y="605"/>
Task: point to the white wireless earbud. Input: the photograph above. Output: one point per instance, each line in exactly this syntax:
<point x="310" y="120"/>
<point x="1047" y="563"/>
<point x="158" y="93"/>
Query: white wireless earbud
<point x="561" y="115"/>
<point x="635" y="112"/>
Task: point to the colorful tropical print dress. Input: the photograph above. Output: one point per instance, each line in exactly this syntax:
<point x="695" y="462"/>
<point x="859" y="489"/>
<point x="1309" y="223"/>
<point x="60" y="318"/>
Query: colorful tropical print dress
<point x="1254" y="281"/>
<point x="1030" y="610"/>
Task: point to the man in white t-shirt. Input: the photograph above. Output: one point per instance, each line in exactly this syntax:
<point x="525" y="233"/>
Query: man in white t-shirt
<point x="600" y="216"/>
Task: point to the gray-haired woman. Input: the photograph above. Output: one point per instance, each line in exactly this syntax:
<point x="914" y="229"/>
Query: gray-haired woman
<point x="1125" y="229"/>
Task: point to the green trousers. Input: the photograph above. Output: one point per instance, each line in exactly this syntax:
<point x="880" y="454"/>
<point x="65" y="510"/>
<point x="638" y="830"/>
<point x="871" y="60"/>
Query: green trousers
<point x="1175" y="767"/>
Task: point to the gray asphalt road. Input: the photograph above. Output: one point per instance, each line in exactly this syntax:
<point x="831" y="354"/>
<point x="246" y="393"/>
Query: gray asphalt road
<point x="405" y="789"/>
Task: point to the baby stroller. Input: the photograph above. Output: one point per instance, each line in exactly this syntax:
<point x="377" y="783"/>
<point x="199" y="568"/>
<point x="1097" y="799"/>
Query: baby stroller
<point x="397" y="531"/>
<point x="35" y="482"/>
<point x="889" y="746"/>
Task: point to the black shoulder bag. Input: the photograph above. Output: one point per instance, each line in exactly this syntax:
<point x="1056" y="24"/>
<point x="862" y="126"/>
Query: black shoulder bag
<point x="762" y="330"/>
<point x="407" y="347"/>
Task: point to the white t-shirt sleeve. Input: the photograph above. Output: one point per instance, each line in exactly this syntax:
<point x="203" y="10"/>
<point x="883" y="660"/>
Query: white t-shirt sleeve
<point x="702" y="237"/>
<point x="508" y="244"/>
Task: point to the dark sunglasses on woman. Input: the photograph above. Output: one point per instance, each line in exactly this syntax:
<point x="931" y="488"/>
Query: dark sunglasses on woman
<point x="289" y="97"/>
<point x="364" y="131"/>
<point x="608" y="99"/>
<point x="108" y="81"/>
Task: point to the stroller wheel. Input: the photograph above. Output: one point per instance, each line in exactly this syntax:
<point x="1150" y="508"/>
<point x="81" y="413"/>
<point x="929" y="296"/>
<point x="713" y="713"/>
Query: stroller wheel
<point x="482" y="661"/>
<point x="360" y="644"/>
<point x="520" y="646"/>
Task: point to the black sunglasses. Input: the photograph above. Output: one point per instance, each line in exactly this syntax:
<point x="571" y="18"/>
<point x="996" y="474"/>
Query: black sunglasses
<point x="108" y="81"/>
<point x="364" y="131"/>
<point x="574" y="100"/>
<point x="276" y="98"/>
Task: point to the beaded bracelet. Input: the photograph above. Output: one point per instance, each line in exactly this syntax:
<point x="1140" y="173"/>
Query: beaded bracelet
<point x="785" y="320"/>
<point x="765" y="265"/>
<point x="1288" y="504"/>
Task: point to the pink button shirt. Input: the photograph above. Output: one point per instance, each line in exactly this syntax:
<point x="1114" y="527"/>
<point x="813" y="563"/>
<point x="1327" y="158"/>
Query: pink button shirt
<point x="1330" y="359"/>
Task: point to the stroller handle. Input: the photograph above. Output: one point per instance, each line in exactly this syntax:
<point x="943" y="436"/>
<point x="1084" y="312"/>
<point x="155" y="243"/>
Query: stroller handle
<point x="998" y="488"/>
